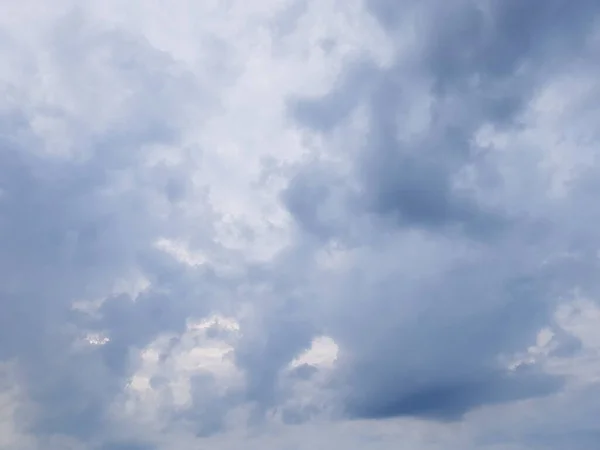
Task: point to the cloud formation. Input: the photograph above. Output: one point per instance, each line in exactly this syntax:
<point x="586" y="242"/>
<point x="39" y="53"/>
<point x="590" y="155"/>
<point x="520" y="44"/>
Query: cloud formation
<point x="298" y="224"/>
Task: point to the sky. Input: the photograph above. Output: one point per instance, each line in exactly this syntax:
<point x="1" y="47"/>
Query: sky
<point x="299" y="224"/>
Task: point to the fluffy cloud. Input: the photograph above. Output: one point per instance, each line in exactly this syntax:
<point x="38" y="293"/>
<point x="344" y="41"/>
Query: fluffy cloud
<point x="298" y="224"/>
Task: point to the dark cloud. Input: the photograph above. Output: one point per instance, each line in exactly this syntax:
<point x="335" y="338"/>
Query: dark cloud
<point x="450" y="401"/>
<point x="456" y="279"/>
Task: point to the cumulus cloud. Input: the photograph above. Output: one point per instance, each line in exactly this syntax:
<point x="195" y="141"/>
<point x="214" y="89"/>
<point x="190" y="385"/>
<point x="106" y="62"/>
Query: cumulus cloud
<point x="298" y="224"/>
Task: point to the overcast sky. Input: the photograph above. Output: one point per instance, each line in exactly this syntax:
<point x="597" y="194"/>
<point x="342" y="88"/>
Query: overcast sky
<point x="299" y="224"/>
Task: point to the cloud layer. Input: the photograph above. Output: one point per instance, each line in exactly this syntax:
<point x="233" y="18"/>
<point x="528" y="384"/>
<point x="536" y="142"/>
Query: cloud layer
<point x="298" y="224"/>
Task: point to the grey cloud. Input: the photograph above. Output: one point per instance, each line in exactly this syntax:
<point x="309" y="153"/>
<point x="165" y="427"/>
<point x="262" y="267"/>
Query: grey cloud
<point x="325" y="113"/>
<point x="262" y="355"/>
<point x="450" y="401"/>
<point x="71" y="226"/>
<point x="287" y="20"/>
<point x="207" y="412"/>
<point x="127" y="446"/>
<point x="421" y="340"/>
<point x="320" y="201"/>
<point x="482" y="64"/>
<point x="577" y="440"/>
<point x="304" y="371"/>
<point x="440" y="283"/>
<point x="566" y="422"/>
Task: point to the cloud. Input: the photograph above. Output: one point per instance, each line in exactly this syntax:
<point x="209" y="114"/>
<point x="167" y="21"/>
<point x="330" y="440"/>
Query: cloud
<point x="296" y="224"/>
<point x="458" y="276"/>
<point x="83" y="211"/>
